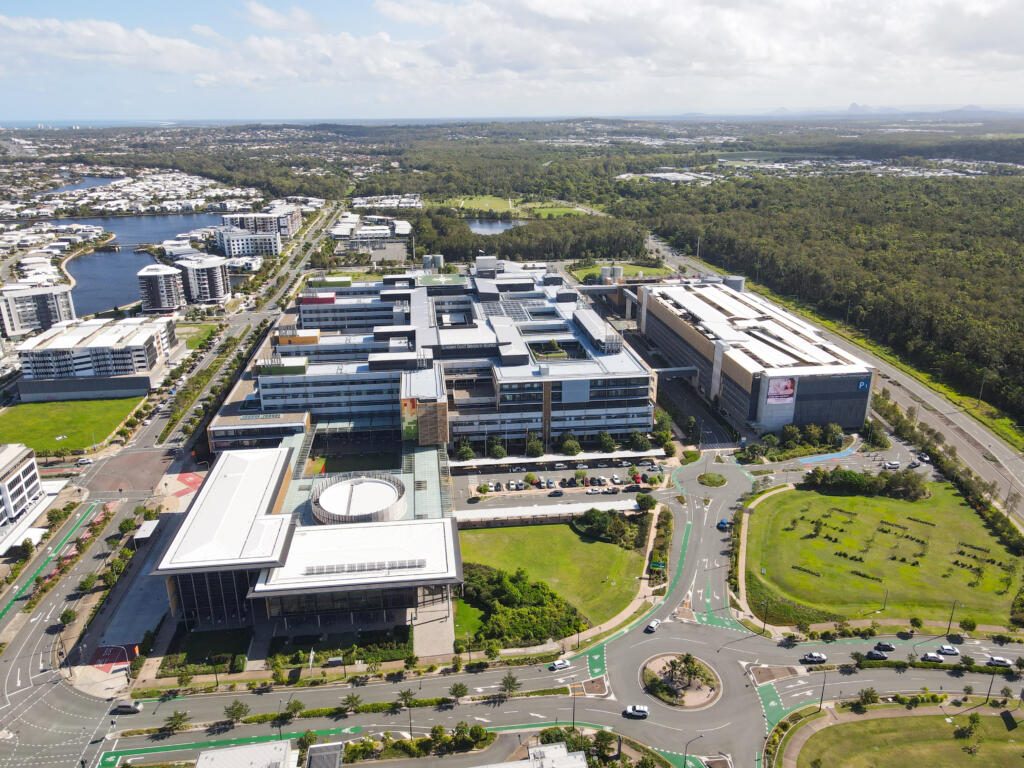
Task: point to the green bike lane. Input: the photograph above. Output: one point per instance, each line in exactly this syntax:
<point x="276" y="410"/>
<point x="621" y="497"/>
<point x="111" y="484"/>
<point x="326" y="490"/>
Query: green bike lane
<point x="57" y="548"/>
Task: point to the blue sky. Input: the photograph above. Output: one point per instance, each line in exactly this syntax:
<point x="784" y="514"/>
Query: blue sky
<point x="242" y="59"/>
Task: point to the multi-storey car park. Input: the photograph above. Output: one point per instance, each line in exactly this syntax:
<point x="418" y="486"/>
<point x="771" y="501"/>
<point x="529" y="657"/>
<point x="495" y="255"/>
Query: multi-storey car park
<point x="503" y="353"/>
<point x="761" y="366"/>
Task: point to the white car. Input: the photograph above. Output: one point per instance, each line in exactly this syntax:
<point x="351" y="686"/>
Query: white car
<point x="592" y="490"/>
<point x="560" y="664"/>
<point x="948" y="650"/>
<point x="998" y="661"/>
<point x="814" y="658"/>
<point x="892" y="465"/>
<point x="639" y="711"/>
<point x="653" y="626"/>
<point x="932" y="657"/>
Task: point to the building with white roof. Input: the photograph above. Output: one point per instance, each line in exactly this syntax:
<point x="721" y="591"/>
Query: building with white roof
<point x="20" y="487"/>
<point x="760" y="365"/>
<point x="28" y="307"/>
<point x="235" y="241"/>
<point x="281" y="218"/>
<point x="252" y="549"/>
<point x="90" y="359"/>
<point x="270" y="754"/>
<point x="161" y="288"/>
<point x="205" y="279"/>
<point x="447" y="358"/>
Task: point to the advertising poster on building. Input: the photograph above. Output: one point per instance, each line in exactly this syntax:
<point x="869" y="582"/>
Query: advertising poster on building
<point x="781" y="391"/>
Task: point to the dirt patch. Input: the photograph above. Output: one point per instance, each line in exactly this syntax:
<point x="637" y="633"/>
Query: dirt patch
<point x="766" y="674"/>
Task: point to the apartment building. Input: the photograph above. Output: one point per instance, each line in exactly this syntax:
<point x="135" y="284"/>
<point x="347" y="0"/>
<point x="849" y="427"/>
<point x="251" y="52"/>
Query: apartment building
<point x="161" y="288"/>
<point x="205" y="279"/>
<point x="236" y="242"/>
<point x="25" y="309"/>
<point x="20" y="487"/>
<point x="281" y="218"/>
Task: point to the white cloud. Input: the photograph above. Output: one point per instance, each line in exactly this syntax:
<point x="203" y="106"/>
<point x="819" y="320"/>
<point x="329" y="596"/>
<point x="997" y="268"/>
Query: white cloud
<point x="446" y="57"/>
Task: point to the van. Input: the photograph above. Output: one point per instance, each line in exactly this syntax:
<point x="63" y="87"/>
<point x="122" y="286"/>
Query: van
<point x="127" y="707"/>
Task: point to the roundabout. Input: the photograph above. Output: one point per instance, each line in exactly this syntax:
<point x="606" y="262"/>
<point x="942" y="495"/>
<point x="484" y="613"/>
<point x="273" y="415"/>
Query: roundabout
<point x="681" y="680"/>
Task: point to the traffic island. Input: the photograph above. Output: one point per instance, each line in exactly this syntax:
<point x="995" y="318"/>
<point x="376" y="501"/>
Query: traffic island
<point x="681" y="680"/>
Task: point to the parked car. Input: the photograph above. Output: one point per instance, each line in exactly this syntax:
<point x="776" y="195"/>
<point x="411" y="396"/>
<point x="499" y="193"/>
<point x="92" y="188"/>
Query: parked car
<point x="593" y="491"/>
<point x="632" y="488"/>
<point x="559" y="664"/>
<point x="653" y="626"/>
<point x="884" y="646"/>
<point x="892" y="465"/>
<point x="497" y="485"/>
<point x="914" y="465"/>
<point x="876" y="655"/>
<point x="616" y="480"/>
<point x="582" y="466"/>
<point x="932" y="657"/>
<point x="924" y="458"/>
<point x="559" y="466"/>
<point x="550" y="483"/>
<point x="724" y="524"/>
<point x="814" y="658"/>
<point x="948" y="650"/>
<point x="638" y="711"/>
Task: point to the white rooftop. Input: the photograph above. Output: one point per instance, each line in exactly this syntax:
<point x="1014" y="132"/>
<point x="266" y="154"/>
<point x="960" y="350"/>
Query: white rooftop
<point x="271" y="754"/>
<point x="231" y="522"/>
<point x="347" y="556"/>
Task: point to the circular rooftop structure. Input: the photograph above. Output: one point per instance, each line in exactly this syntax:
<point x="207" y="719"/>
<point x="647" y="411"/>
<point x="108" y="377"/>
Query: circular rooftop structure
<point x="358" y="497"/>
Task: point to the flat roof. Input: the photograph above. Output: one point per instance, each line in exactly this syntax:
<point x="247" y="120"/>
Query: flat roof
<point x="333" y="558"/>
<point x="231" y="522"/>
<point x="271" y="754"/>
<point x="760" y="336"/>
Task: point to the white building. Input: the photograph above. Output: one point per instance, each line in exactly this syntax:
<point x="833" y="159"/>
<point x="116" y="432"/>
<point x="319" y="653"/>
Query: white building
<point x="272" y="754"/>
<point x="19" y="481"/>
<point x="282" y="218"/>
<point x="235" y="242"/>
<point x="205" y="279"/>
<point x="161" y="288"/>
<point x="25" y="309"/>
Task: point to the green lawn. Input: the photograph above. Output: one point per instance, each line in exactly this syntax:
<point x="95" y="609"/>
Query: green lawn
<point x="83" y="422"/>
<point x="629" y="270"/>
<point x="548" y="211"/>
<point x="480" y="203"/>
<point x="195" y="334"/>
<point x="599" y="579"/>
<point x="468" y="619"/>
<point x="801" y="575"/>
<point x="926" y="741"/>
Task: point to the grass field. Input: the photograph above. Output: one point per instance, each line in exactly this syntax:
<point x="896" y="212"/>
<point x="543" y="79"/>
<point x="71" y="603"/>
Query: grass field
<point x="926" y="741"/>
<point x="629" y="270"/>
<point x="481" y="203"/>
<point x="81" y="422"/>
<point x="550" y="211"/>
<point x="195" y="334"/>
<point x="925" y="554"/>
<point x="598" y="578"/>
<point x="468" y="619"/>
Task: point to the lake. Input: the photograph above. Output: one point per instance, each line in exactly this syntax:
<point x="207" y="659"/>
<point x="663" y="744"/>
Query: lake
<point x="107" y="279"/>
<point x="87" y="182"/>
<point x="492" y="226"/>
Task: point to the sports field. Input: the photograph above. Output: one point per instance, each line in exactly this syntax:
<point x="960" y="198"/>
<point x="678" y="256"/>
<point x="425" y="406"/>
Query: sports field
<point x="71" y="424"/>
<point x="629" y="270"/>
<point x="599" y="579"/>
<point x="925" y="741"/>
<point x="849" y="555"/>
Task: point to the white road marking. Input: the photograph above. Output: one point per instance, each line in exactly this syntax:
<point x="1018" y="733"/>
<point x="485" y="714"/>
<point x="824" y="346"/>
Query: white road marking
<point x="709" y="730"/>
<point x="482" y="719"/>
<point x="539" y="717"/>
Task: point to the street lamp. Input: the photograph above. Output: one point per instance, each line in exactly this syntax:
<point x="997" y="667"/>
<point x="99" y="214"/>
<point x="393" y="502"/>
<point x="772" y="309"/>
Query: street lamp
<point x="949" y="625"/>
<point x="572" y="692"/>
<point x="686" y="749"/>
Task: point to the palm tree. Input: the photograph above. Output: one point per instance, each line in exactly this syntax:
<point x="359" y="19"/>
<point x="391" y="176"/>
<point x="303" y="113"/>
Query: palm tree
<point x="689" y="667"/>
<point x="351" y="702"/>
<point x="675" y="669"/>
<point x="406" y="699"/>
<point x="510" y="684"/>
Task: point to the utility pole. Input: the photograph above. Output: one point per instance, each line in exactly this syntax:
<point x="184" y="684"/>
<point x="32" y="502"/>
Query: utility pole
<point x="821" y="699"/>
<point x="572" y="690"/>
<point x="949" y="625"/>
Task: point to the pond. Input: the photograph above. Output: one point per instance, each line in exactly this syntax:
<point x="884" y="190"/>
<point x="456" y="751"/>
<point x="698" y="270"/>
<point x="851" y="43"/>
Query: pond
<point x="492" y="226"/>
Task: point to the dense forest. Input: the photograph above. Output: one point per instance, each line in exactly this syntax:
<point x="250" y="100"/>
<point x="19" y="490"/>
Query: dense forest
<point x="440" y="230"/>
<point x="933" y="268"/>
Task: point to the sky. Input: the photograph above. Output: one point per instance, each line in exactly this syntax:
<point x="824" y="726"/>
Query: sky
<point x="381" y="59"/>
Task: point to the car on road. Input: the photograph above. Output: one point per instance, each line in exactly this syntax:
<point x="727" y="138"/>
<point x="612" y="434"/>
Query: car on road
<point x="556" y="492"/>
<point x="610" y="491"/>
<point x="948" y="650"/>
<point x="884" y="646"/>
<point x="593" y="491"/>
<point x="914" y="465"/>
<point x="653" y="626"/>
<point x="559" y="664"/>
<point x="934" y="658"/>
<point x="875" y="655"/>
<point x="84" y="462"/>
<point x="814" y="657"/>
<point x="998" y="661"/>
<point x="724" y="524"/>
<point x="127" y="707"/>
<point x="639" y="711"/>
